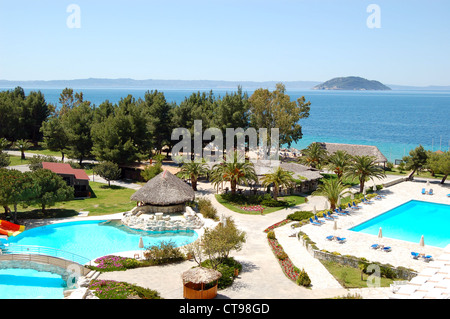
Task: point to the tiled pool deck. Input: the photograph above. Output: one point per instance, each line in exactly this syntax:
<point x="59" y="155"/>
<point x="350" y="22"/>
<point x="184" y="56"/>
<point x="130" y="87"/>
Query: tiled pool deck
<point x="358" y="244"/>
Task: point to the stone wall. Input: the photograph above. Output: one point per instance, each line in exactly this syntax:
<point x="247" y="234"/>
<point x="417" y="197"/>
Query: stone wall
<point x="353" y="262"/>
<point x="25" y="264"/>
<point x="148" y="209"/>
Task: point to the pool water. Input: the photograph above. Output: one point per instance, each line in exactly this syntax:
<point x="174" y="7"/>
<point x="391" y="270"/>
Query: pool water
<point x="30" y="284"/>
<point x="93" y="239"/>
<point x="412" y="220"/>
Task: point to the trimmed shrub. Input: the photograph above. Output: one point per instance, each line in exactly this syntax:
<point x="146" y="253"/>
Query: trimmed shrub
<point x="300" y="215"/>
<point x="206" y="208"/>
<point x="303" y="279"/>
<point x="271" y="235"/>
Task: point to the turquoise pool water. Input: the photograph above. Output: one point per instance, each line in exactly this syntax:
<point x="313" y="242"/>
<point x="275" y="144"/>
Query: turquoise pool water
<point x="30" y="284"/>
<point x="92" y="239"/>
<point x="412" y="220"/>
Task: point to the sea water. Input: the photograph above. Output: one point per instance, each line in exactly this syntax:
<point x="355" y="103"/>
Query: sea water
<point x="394" y="121"/>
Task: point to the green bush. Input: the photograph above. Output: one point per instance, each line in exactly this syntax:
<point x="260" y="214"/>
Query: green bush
<point x="271" y="235"/>
<point x="300" y="215"/>
<point x="274" y="203"/>
<point x="206" y="208"/>
<point x="163" y="253"/>
<point x="282" y="255"/>
<point x="226" y="268"/>
<point x="303" y="279"/>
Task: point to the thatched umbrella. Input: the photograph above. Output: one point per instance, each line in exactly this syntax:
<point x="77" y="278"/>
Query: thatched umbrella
<point x="195" y="279"/>
<point x="163" y="190"/>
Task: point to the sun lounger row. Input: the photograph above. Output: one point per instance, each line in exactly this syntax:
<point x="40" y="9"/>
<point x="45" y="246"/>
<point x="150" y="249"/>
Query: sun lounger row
<point x="426" y="258"/>
<point x="381" y="247"/>
<point x="424" y="192"/>
<point x="340" y="240"/>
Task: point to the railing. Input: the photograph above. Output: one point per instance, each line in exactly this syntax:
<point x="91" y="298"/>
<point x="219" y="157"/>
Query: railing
<point x="45" y="251"/>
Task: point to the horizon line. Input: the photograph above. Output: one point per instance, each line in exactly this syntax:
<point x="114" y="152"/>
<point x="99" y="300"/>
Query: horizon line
<point x="206" y="80"/>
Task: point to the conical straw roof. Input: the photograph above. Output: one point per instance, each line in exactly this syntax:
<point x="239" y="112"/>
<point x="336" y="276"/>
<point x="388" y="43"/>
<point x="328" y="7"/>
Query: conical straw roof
<point x="164" y="189"/>
<point x="200" y="275"/>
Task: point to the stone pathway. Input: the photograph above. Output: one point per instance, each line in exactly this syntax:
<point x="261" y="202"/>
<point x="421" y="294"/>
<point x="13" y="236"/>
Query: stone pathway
<point x="261" y="277"/>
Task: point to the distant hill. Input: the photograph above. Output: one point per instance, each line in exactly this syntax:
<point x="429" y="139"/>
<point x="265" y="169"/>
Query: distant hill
<point x="125" y="83"/>
<point x="352" y="83"/>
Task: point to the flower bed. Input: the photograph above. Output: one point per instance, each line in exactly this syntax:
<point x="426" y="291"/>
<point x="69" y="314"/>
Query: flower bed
<point x="286" y="264"/>
<point x="111" y="289"/>
<point x="115" y="263"/>
<point x="279" y="224"/>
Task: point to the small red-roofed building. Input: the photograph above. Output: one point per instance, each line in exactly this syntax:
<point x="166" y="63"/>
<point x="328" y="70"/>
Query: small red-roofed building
<point x="73" y="177"/>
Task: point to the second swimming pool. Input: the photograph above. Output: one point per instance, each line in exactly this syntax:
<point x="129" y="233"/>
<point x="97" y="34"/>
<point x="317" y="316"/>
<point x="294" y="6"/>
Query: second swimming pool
<point x="410" y="221"/>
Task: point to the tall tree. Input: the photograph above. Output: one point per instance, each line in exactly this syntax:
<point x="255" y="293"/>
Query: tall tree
<point x="22" y="146"/>
<point x="34" y="112"/>
<point x="109" y="171"/>
<point x="416" y="160"/>
<point x="233" y="170"/>
<point x="276" y="110"/>
<point x="54" y="135"/>
<point x="364" y="168"/>
<point x="440" y="164"/>
<point x="159" y="113"/>
<point x="50" y="188"/>
<point x="338" y="162"/>
<point x="198" y="106"/>
<point x="193" y="170"/>
<point x="233" y="111"/>
<point x="77" y="124"/>
<point x="15" y="187"/>
<point x="332" y="189"/>
<point x="121" y="134"/>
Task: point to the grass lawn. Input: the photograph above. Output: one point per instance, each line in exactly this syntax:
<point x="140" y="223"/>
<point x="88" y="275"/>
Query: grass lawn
<point x="15" y="160"/>
<point x="104" y="200"/>
<point x="42" y="151"/>
<point x="350" y="277"/>
<point x="293" y="200"/>
<point x="424" y="174"/>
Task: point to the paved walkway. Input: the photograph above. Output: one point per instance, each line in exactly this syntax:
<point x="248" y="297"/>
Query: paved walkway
<point x="261" y="277"/>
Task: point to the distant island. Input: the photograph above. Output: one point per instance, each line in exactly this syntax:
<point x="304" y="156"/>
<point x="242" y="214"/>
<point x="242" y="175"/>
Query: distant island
<point x="126" y="83"/>
<point x="354" y="83"/>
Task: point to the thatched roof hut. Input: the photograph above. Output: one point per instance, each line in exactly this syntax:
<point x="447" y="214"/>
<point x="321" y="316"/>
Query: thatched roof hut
<point x="355" y="150"/>
<point x="200" y="283"/>
<point x="165" y="189"/>
<point x="299" y="171"/>
<point x="200" y="275"/>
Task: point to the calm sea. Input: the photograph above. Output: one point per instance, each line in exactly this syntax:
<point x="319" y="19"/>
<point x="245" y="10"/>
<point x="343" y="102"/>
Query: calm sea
<point x="394" y="121"/>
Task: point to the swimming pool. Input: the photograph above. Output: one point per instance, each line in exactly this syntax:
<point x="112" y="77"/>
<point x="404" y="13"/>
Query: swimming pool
<point x="30" y="284"/>
<point x="410" y="221"/>
<point x="96" y="238"/>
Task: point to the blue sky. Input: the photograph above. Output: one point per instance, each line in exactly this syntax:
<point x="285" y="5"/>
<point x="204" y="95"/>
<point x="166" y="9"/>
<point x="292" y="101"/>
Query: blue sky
<point x="279" y="40"/>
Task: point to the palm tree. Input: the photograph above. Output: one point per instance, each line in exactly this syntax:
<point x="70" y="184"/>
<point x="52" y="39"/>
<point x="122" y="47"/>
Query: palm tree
<point x="279" y="177"/>
<point x="314" y="155"/>
<point x="332" y="189"/>
<point x="3" y="143"/>
<point x="22" y="145"/>
<point x="235" y="171"/>
<point x="364" y="168"/>
<point x="193" y="170"/>
<point x="338" y="162"/>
